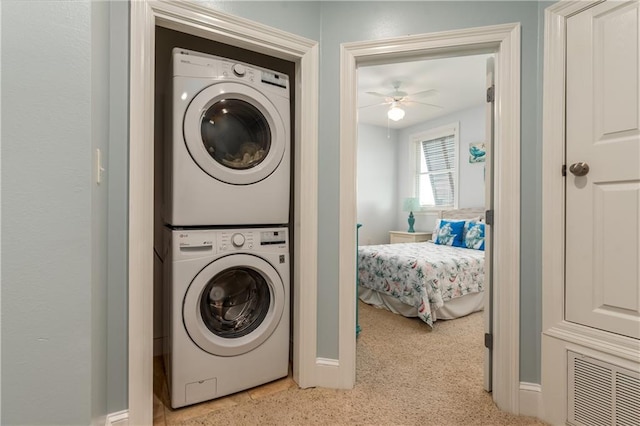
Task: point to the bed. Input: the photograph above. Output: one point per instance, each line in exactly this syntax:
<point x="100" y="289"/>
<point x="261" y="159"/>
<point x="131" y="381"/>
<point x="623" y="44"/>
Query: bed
<point x="429" y="280"/>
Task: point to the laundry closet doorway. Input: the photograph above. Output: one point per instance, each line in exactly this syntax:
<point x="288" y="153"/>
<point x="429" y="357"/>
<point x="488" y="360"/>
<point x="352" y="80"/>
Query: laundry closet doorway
<point x="203" y="22"/>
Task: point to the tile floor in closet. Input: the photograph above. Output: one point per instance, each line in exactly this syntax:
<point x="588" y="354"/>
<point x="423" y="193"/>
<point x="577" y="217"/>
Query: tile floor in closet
<point x="164" y="415"/>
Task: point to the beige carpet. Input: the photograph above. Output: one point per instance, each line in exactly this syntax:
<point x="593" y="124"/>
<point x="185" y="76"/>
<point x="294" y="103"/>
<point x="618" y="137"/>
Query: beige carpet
<point x="407" y="374"/>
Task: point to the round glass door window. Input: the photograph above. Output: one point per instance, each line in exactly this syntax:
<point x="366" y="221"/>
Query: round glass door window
<point x="235" y="134"/>
<point x="235" y="302"/>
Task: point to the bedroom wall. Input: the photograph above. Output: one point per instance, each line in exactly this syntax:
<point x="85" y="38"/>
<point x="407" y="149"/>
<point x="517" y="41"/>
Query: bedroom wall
<point x="471" y="176"/>
<point x="377" y="183"/>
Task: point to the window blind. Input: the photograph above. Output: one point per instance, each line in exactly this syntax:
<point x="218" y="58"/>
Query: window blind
<point x="436" y="180"/>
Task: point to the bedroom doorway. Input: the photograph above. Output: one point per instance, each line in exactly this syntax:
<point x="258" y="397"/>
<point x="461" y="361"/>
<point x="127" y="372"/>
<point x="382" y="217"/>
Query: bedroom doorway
<point x="424" y="138"/>
<point x="504" y="42"/>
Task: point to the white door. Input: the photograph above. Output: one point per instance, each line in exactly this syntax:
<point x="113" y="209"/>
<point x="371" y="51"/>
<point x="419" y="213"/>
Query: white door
<point x="233" y="305"/>
<point x="488" y="185"/>
<point x="603" y="203"/>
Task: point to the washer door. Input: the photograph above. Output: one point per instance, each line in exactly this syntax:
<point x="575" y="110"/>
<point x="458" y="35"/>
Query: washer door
<point x="234" y="133"/>
<point x="233" y="305"/>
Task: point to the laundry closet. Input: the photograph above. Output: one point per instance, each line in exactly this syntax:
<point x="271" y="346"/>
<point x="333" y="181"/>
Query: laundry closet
<point x="223" y="197"/>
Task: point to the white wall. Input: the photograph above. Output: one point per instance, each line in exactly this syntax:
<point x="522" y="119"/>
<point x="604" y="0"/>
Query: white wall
<point x="377" y="183"/>
<point x="471" y="178"/>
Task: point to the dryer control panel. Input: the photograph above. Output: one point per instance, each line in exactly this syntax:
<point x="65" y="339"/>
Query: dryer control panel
<point x="188" y="63"/>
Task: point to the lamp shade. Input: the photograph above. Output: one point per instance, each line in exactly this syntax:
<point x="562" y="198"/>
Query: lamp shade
<point x="411" y="204"/>
<point x="395" y="113"/>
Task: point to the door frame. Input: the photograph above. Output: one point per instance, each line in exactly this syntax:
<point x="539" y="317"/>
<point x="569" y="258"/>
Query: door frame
<point x="207" y="23"/>
<point x="504" y="41"/>
<point x="558" y="335"/>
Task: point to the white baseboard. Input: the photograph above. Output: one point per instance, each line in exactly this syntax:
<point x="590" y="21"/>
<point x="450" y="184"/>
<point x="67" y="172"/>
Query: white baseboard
<point x="121" y="418"/>
<point x="531" y="400"/>
<point x="327" y="373"/>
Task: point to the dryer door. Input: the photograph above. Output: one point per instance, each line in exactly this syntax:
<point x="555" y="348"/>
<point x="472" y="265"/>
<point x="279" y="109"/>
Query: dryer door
<point x="233" y="305"/>
<point x="234" y="133"/>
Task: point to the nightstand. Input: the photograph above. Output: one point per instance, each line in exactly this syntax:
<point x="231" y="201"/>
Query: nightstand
<point x="408" y="237"/>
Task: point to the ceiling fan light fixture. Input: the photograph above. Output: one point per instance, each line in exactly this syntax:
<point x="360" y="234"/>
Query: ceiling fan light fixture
<point x="395" y="113"/>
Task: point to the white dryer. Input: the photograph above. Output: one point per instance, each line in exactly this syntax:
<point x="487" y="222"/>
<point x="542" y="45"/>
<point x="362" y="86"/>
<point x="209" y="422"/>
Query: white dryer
<point x="226" y="310"/>
<point x="228" y="154"/>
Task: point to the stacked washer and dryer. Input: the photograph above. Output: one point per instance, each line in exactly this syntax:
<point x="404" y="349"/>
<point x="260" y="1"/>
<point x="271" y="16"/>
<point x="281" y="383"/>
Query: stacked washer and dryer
<point x="226" y="209"/>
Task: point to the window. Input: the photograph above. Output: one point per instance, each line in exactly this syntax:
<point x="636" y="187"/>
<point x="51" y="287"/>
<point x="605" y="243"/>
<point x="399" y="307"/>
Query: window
<point x="436" y="167"/>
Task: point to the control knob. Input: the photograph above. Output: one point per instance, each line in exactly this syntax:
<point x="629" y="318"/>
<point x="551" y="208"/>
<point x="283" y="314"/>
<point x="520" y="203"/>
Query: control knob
<point x="239" y="70"/>
<point x="237" y="240"/>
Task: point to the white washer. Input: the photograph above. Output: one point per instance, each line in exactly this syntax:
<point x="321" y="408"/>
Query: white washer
<point x="226" y="310"/>
<point x="228" y="157"/>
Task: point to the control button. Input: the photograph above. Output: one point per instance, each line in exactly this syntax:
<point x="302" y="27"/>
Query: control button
<point x="237" y="240"/>
<point x="250" y="246"/>
<point x="239" y="70"/>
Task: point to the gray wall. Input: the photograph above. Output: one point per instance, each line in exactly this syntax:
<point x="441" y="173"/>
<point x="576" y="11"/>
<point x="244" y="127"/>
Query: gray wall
<point x="118" y="209"/>
<point x="377" y="183"/>
<point x="58" y="108"/>
<point x="99" y="121"/>
<point x="385" y="179"/>
<point x="471" y="176"/>
<point x="47" y="230"/>
<point x="376" y="20"/>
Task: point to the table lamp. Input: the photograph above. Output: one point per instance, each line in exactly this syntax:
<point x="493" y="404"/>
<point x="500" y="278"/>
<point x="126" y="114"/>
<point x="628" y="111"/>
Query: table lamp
<point x="409" y="205"/>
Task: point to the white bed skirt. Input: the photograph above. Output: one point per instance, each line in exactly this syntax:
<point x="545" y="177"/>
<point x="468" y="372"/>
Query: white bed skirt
<point x="454" y="308"/>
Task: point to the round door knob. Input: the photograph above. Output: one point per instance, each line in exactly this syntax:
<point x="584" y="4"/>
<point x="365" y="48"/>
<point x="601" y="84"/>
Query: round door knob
<point x="237" y="240"/>
<point x="579" y="169"/>
<point x="239" y="70"/>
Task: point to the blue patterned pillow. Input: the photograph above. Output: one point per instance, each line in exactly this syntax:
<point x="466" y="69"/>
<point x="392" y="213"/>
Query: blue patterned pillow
<point x="474" y="235"/>
<point x="449" y="233"/>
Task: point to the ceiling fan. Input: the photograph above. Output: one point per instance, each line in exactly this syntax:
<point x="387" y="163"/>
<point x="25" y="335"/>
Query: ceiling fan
<point x="398" y="97"/>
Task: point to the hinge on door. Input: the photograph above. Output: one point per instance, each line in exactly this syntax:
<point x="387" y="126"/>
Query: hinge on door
<point x="491" y="93"/>
<point x="488" y="341"/>
<point x="488" y="217"/>
<point x="564" y="170"/>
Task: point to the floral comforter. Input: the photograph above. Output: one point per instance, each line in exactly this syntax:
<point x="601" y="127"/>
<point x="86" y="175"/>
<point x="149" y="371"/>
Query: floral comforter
<point x="423" y="275"/>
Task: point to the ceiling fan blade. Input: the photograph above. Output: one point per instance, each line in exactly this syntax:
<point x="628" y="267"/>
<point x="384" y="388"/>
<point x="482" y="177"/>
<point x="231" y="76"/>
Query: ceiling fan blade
<point x="372" y="105"/>
<point x="424" y="93"/>
<point x="424" y="103"/>
<point x="377" y="94"/>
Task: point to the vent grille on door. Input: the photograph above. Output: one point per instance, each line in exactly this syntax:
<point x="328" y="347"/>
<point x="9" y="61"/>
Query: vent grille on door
<point x="602" y="394"/>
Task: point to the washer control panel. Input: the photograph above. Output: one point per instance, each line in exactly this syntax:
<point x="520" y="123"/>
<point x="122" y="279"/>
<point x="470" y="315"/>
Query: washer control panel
<point x="252" y="239"/>
<point x="235" y="240"/>
<point x="268" y="238"/>
<point x="238" y="240"/>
